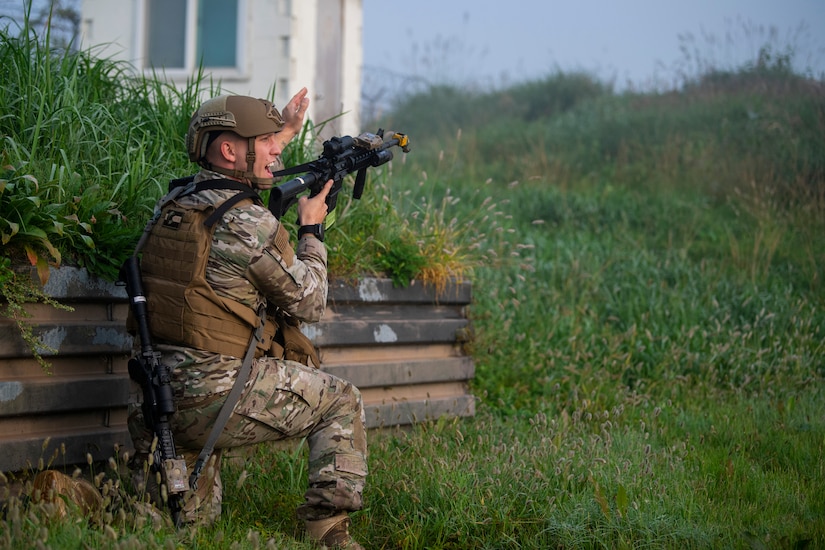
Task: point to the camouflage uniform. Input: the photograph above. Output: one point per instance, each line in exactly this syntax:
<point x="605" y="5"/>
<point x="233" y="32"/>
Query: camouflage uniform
<point x="282" y="399"/>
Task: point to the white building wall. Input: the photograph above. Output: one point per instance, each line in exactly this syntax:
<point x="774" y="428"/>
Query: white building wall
<point x="304" y="51"/>
<point x="279" y="54"/>
<point x="104" y="28"/>
<point x="353" y="62"/>
<point x="268" y="50"/>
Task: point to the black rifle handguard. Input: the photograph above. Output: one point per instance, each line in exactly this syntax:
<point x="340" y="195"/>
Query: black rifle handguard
<point x="341" y="156"/>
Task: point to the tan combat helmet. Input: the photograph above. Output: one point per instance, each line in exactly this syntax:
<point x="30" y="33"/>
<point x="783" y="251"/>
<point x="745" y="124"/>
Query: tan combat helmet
<point x="246" y="116"/>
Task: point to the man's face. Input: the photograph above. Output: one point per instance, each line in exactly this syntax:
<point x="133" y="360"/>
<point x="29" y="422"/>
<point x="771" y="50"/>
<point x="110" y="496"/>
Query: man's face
<point x="231" y="148"/>
<point x="267" y="150"/>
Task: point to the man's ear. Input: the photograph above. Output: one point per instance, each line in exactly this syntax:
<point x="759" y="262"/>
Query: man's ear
<point x="228" y="150"/>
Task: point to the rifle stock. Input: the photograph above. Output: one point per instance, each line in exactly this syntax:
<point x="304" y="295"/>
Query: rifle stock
<point x="341" y="156"/>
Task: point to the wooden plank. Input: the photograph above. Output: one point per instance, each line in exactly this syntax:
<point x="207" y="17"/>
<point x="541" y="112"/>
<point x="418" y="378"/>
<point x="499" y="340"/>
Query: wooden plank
<point x="388" y="332"/>
<point x="42" y="426"/>
<point x="368" y="375"/>
<point x="418" y="392"/>
<point x="66" y="448"/>
<point x="382" y="290"/>
<point x="72" y="283"/>
<point x="339" y="312"/>
<point x="63" y="367"/>
<point x="338" y="355"/>
<point x="79" y="312"/>
<point x="54" y="395"/>
<point x="76" y="284"/>
<point x="409" y="412"/>
<point x="91" y="337"/>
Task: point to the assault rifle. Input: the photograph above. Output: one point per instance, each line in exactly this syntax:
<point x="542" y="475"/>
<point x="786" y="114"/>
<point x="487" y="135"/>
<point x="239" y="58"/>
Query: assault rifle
<point x="341" y="156"/>
<point x="158" y="400"/>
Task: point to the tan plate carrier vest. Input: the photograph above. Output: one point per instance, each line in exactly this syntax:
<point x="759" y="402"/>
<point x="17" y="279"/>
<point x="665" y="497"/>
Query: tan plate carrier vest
<point x="184" y="309"/>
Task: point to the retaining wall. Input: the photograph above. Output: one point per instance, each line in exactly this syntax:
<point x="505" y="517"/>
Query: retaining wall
<point x="402" y="347"/>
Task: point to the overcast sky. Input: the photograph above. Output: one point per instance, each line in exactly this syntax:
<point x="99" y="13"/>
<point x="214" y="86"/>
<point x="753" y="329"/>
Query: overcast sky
<point x="634" y="41"/>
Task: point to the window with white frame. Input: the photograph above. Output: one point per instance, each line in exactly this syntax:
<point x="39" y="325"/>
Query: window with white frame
<point x="185" y="34"/>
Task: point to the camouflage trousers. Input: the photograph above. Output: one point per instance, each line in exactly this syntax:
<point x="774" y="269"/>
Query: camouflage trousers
<point x="282" y="400"/>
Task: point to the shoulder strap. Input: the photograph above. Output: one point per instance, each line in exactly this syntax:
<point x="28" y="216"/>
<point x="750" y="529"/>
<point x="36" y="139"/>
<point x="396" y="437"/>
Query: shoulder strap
<point x="243" y="192"/>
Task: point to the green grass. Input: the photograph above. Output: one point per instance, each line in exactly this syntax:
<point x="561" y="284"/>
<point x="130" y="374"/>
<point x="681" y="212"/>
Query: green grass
<point x="648" y="322"/>
<point x="719" y="471"/>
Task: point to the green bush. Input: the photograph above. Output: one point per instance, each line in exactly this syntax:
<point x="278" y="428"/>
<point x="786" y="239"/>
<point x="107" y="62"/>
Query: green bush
<point x="77" y="145"/>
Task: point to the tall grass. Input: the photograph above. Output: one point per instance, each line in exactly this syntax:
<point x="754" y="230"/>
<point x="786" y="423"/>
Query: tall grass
<point x="90" y="141"/>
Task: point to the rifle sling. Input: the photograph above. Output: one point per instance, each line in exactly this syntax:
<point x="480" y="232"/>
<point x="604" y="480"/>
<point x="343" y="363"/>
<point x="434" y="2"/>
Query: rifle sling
<point x="231" y="400"/>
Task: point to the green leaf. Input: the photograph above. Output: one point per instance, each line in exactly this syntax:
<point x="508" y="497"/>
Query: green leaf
<point x="35" y="232"/>
<point x="88" y="240"/>
<point x="15" y="227"/>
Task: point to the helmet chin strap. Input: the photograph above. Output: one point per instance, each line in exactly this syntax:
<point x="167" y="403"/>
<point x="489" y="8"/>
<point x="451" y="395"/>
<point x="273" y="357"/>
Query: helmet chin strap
<point x="248" y="176"/>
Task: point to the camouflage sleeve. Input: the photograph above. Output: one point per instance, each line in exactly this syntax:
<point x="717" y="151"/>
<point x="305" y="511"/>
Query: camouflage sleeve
<point x="295" y="282"/>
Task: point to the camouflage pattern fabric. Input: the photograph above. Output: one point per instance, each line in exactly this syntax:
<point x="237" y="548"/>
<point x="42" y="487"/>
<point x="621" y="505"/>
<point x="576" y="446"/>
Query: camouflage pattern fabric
<point x="200" y="507"/>
<point x="282" y="399"/>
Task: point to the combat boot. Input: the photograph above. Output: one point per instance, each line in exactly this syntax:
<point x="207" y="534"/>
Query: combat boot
<point x="332" y="532"/>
